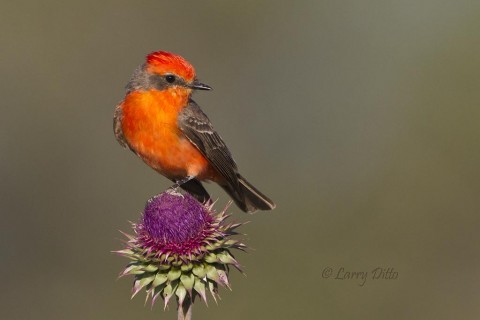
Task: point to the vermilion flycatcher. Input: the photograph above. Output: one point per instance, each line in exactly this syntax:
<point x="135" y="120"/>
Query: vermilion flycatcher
<point x="159" y="121"/>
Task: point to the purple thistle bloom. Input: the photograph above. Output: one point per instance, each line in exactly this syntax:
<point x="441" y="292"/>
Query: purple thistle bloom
<point x="175" y="223"/>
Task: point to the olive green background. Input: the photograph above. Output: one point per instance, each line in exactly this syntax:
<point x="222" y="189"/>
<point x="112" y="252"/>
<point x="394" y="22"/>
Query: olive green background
<point x="359" y="118"/>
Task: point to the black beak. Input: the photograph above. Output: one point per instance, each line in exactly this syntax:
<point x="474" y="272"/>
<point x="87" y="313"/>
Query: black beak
<point x="199" y="86"/>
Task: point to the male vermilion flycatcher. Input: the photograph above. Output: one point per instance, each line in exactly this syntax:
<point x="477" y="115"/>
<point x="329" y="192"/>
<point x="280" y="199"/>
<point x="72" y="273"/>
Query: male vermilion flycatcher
<point x="159" y="121"/>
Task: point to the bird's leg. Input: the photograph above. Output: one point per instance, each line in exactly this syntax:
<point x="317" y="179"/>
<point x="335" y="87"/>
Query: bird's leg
<point x="179" y="183"/>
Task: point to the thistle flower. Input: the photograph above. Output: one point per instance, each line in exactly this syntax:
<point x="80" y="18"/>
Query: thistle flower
<point x="180" y="248"/>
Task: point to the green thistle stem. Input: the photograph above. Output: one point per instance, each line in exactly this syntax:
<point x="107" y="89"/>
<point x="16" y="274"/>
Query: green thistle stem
<point x="185" y="312"/>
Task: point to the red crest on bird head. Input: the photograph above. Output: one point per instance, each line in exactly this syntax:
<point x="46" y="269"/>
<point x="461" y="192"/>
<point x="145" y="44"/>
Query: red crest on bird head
<point x="162" y="62"/>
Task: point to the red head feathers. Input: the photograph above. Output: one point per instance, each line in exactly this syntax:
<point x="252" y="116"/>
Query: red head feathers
<point x="165" y="62"/>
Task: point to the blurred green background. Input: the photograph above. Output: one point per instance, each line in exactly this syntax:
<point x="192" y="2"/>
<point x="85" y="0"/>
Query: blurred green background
<point x="359" y="118"/>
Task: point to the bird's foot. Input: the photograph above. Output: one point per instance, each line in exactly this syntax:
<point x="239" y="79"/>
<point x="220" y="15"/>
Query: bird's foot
<point x="174" y="192"/>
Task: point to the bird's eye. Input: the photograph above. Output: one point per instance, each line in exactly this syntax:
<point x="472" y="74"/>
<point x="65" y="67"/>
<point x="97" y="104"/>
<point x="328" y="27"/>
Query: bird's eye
<point x="170" y="78"/>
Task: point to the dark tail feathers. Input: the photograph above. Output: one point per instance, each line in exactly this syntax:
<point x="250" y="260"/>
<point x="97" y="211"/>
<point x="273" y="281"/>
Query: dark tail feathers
<point x="248" y="198"/>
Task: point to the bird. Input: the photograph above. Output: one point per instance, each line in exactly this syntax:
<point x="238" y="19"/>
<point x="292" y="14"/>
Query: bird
<point x="160" y="122"/>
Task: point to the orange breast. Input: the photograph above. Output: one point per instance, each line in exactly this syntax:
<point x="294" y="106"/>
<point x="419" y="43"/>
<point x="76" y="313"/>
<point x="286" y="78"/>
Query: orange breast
<point x="149" y="124"/>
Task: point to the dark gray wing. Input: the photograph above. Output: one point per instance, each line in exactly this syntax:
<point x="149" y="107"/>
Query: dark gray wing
<point x="198" y="129"/>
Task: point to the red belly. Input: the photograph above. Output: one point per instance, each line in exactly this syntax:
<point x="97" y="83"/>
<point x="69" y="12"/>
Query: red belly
<point x="149" y="124"/>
